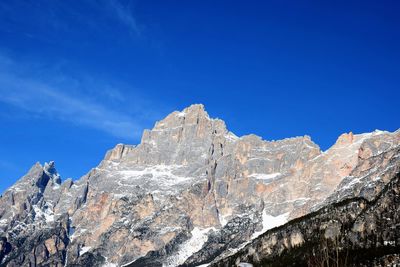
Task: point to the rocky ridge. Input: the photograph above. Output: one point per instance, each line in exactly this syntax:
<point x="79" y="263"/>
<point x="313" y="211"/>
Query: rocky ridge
<point x="189" y="192"/>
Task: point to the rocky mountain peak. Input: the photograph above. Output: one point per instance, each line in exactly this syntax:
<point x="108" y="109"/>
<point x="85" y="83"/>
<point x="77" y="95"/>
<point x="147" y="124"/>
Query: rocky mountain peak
<point x="183" y="137"/>
<point x="50" y="169"/>
<point x="189" y="191"/>
<point x="346" y="138"/>
<point x="192" y="116"/>
<point x="37" y="178"/>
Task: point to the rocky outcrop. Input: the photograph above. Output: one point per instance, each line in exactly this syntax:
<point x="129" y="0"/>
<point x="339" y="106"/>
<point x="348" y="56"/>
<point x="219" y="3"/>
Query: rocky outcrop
<point x="189" y="192"/>
<point x="38" y="247"/>
<point x="118" y="152"/>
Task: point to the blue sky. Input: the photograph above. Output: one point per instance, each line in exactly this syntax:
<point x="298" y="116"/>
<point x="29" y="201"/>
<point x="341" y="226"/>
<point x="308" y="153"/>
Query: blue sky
<point x="78" y="77"/>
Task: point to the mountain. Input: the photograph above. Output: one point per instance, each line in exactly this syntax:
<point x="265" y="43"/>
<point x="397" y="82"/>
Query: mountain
<point x="190" y="193"/>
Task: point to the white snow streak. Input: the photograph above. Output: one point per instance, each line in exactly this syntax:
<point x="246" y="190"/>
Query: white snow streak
<point x="161" y="173"/>
<point x="109" y="264"/>
<point x="223" y="220"/>
<point x="264" y="176"/>
<point x="189" y="247"/>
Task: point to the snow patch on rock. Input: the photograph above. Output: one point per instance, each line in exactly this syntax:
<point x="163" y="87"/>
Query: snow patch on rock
<point x="47" y="215"/>
<point x="83" y="250"/>
<point x="269" y="222"/>
<point x="189" y="247"/>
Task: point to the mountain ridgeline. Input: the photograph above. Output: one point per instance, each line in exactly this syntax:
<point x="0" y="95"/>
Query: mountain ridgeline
<point x="193" y="193"/>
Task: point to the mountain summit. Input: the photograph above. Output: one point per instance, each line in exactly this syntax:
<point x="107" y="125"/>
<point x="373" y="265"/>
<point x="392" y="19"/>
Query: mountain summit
<point x="189" y="193"/>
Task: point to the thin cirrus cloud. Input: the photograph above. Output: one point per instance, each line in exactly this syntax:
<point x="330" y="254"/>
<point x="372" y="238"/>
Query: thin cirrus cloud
<point x="74" y="106"/>
<point x="124" y="15"/>
<point x="55" y="17"/>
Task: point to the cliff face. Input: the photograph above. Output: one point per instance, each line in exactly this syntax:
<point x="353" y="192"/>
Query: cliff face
<point x="189" y="192"/>
<point x="353" y="232"/>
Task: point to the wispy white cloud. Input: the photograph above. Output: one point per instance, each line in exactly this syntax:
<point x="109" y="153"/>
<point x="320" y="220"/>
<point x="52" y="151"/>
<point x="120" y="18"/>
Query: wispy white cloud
<point x="60" y="102"/>
<point x="124" y="14"/>
<point x="55" y="17"/>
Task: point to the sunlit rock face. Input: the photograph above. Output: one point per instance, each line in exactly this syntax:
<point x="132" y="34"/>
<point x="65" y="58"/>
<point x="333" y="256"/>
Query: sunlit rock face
<point x="189" y="192"/>
<point x="352" y="232"/>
